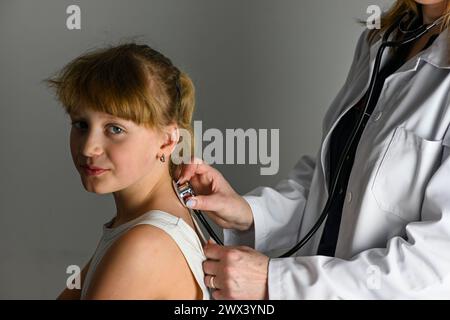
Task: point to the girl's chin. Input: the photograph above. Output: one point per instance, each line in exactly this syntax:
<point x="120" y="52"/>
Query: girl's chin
<point x="98" y="192"/>
<point x="98" y="188"/>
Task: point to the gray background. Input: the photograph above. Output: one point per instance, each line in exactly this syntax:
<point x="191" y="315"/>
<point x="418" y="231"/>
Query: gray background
<point x="255" y="64"/>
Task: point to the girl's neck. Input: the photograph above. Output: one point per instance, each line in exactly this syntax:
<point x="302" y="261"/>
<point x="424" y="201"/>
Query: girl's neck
<point x="145" y="195"/>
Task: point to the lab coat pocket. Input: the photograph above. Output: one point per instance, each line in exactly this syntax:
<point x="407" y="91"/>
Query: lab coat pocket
<point x="406" y="165"/>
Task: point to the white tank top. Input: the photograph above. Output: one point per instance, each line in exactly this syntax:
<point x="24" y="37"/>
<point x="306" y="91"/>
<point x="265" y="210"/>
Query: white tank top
<point x="185" y="237"/>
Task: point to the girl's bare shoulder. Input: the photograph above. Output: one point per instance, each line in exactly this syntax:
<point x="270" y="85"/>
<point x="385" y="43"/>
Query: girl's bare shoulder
<point x="144" y="263"/>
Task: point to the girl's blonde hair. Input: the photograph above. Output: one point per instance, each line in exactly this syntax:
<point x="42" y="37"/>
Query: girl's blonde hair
<point x="130" y="81"/>
<point x="397" y="9"/>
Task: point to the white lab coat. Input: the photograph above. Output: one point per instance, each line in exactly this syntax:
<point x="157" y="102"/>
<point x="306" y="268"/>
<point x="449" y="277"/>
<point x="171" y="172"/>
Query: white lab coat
<point x="394" y="238"/>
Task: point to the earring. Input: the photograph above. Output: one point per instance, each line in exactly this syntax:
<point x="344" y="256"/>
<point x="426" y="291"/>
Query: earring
<point x="163" y="158"/>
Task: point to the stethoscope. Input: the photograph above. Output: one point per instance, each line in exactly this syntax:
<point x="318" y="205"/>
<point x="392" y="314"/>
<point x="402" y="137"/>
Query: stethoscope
<point x="186" y="191"/>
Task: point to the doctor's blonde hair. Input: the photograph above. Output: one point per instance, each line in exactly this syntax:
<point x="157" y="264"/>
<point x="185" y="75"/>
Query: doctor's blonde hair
<point x="129" y="81"/>
<point x="397" y="9"/>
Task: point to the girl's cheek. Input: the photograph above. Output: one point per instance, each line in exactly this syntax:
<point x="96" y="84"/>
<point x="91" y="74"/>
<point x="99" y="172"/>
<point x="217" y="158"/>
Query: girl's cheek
<point x="121" y="158"/>
<point x="73" y="149"/>
<point x="130" y="161"/>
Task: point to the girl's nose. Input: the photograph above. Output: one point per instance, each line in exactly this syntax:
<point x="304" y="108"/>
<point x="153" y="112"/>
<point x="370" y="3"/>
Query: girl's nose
<point x="92" y="146"/>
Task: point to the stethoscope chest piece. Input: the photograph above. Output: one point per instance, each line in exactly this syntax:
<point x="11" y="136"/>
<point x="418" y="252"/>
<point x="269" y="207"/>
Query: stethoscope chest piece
<point x="183" y="191"/>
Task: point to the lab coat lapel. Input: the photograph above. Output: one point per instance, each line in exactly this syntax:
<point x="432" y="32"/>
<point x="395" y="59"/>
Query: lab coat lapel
<point x="356" y="92"/>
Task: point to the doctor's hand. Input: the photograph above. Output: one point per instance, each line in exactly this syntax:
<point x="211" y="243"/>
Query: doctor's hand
<point x="238" y="273"/>
<point x="215" y="196"/>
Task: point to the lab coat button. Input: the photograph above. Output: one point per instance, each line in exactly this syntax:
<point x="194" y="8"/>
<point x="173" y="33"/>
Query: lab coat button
<point x="377" y="116"/>
<point x="349" y="197"/>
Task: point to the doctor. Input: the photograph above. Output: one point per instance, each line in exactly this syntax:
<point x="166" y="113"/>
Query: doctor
<point x="387" y="234"/>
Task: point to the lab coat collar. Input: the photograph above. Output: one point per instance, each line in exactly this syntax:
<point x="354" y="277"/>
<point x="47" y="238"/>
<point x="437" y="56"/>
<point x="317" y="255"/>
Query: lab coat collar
<point x="437" y="54"/>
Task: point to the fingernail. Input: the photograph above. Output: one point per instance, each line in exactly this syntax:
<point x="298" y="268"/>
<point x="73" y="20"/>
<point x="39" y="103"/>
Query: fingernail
<point x="191" y="203"/>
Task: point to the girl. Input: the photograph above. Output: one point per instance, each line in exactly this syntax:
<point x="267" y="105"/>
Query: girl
<point x="127" y="105"/>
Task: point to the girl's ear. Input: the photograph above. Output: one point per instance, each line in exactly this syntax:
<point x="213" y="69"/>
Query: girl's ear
<point x="171" y="135"/>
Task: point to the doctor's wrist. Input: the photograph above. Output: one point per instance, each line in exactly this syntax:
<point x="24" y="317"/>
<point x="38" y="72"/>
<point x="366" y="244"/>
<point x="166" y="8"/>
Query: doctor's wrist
<point x="245" y="216"/>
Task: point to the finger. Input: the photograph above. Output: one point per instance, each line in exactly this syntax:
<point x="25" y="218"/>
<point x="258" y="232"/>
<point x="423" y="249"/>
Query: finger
<point x="214" y="251"/>
<point x="208" y="282"/>
<point x="211" y="267"/>
<point x="210" y="202"/>
<point x="189" y="169"/>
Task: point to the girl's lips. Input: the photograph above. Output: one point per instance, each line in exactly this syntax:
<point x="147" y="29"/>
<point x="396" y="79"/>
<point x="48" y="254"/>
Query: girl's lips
<point x="92" y="167"/>
<point x="91" y="171"/>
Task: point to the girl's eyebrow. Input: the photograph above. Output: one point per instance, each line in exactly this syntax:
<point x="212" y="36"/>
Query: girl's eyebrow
<point x="75" y="114"/>
<point x="103" y="119"/>
<point x="111" y="117"/>
<point x="106" y="117"/>
<point x="116" y="119"/>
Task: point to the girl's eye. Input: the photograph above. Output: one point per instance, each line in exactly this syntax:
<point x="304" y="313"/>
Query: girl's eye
<point x="79" y="124"/>
<point x="115" y="130"/>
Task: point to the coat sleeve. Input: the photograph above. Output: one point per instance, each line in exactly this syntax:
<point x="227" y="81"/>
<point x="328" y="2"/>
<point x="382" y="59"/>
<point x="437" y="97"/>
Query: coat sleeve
<point x="417" y="267"/>
<point x="278" y="211"/>
<point x="288" y="197"/>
